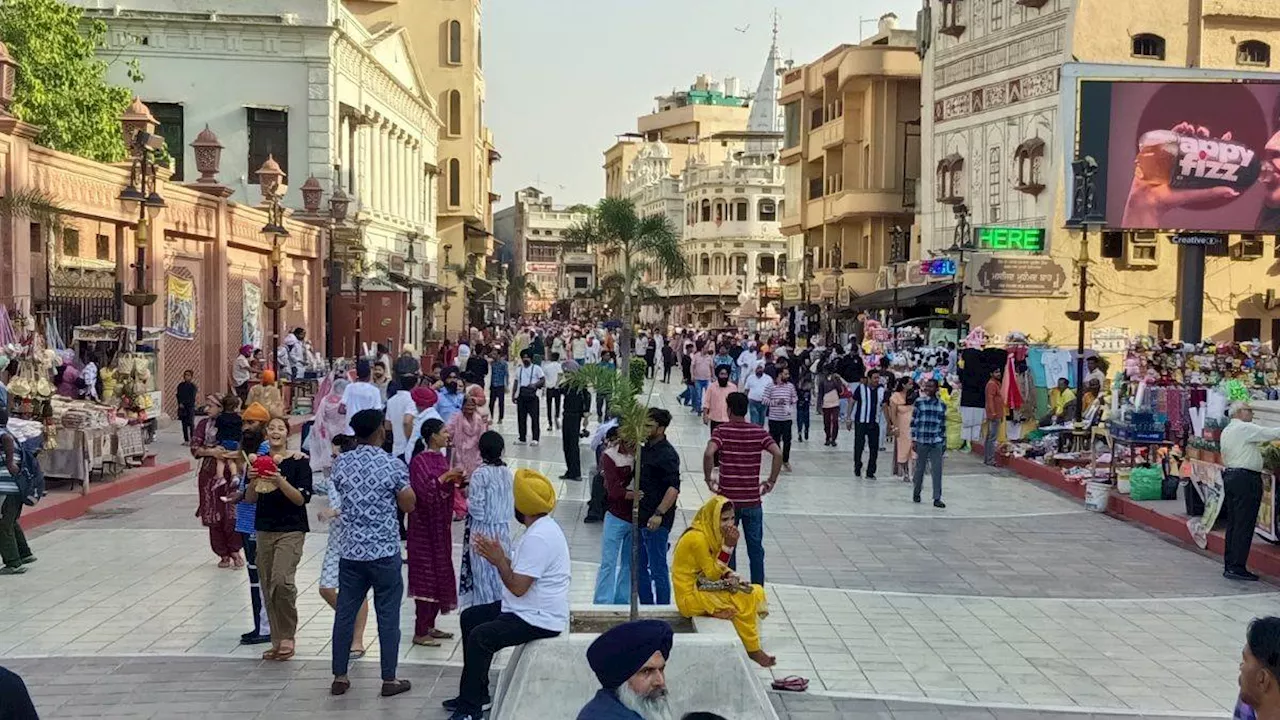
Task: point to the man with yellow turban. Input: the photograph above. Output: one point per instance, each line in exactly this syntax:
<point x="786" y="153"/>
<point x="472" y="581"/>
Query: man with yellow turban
<point x="535" y="593"/>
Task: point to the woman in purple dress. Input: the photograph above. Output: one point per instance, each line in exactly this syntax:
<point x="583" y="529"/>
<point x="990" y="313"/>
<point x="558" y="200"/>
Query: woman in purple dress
<point x="214" y="511"/>
<point x="432" y="584"/>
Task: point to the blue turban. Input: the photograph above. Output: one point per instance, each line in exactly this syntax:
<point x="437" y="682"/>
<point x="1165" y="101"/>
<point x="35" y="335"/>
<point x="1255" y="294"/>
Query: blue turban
<point x="620" y="652"/>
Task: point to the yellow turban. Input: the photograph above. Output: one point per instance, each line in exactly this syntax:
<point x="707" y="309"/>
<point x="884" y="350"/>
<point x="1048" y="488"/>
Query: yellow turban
<point x="534" y="494"/>
<point x="256" y="412"/>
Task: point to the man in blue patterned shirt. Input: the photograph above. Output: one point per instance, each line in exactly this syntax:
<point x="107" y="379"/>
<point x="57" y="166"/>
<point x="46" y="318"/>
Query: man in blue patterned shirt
<point x="929" y="439"/>
<point x="372" y="485"/>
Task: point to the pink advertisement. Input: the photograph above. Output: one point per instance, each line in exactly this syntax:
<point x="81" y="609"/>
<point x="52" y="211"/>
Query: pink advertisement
<point x="1202" y="156"/>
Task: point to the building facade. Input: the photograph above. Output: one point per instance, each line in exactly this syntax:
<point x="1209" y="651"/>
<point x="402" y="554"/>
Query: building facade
<point x="998" y="141"/>
<point x="305" y="84"/>
<point x="446" y="37"/>
<point x="554" y="267"/>
<point x="851" y="158"/>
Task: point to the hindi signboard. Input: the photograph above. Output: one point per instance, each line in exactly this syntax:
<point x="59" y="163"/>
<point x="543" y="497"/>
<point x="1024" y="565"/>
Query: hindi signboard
<point x="1017" y="277"/>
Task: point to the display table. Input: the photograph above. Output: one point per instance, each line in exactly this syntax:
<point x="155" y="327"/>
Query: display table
<point x="82" y="452"/>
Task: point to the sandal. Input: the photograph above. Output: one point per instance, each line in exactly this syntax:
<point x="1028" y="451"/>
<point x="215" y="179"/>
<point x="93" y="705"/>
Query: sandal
<point x="440" y="634"/>
<point x="356" y="654"/>
<point x="283" y="654"/>
<point x="224" y="563"/>
<point x="271" y="654"/>
<point x="339" y="687"/>
<point x="791" y="683"/>
<point x="237" y="560"/>
<point x="425" y="641"/>
<point x="395" y="687"/>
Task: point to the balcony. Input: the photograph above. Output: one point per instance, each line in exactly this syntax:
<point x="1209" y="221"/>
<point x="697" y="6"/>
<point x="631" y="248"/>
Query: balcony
<point x="860" y="281"/>
<point x="862" y="63"/>
<point x="824" y="137"/>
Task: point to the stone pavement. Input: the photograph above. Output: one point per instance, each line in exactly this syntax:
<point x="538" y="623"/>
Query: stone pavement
<point x="1012" y="602"/>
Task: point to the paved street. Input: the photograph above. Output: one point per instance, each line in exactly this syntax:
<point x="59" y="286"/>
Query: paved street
<point x="1012" y="602"/>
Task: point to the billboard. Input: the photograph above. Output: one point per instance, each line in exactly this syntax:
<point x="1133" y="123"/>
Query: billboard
<point x="1185" y="155"/>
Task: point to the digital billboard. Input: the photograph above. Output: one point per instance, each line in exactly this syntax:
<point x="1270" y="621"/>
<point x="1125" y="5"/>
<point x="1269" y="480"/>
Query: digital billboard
<point x="1185" y="155"/>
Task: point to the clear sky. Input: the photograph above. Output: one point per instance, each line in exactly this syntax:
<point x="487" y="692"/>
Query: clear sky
<point x="564" y="77"/>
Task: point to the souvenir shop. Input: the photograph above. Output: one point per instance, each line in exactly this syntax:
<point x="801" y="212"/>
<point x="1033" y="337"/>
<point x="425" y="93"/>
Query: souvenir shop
<point x="1152" y="431"/>
<point x="95" y="400"/>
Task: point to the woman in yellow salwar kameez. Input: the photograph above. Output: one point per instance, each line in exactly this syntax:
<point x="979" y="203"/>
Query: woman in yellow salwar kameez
<point x="703" y="585"/>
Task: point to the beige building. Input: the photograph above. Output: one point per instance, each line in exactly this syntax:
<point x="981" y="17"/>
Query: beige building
<point x="447" y="43"/>
<point x="999" y="135"/>
<point x="537" y="232"/>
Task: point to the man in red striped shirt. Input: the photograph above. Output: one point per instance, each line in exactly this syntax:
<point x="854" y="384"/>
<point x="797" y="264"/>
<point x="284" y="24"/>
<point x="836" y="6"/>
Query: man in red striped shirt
<point x="740" y="443"/>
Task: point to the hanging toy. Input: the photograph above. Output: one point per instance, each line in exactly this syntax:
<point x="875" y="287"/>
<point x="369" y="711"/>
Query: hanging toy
<point x="1236" y="391"/>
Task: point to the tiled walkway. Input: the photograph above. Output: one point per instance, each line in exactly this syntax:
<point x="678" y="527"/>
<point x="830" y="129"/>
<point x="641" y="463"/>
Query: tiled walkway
<point x="1012" y="600"/>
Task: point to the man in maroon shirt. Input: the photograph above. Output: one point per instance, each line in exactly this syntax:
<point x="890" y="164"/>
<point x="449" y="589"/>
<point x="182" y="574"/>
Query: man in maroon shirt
<point x="740" y="443"/>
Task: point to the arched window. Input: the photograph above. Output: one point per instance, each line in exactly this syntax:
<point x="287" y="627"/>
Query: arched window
<point x="740" y="211"/>
<point x="782" y="266"/>
<point x="719" y="208"/>
<point x="1147" y="45"/>
<point x="455" y="42"/>
<point x="706" y="211"/>
<point x="453" y="102"/>
<point x="738" y="264"/>
<point x="704" y="265"/>
<point x="768" y="210"/>
<point x="1254" y="52"/>
<point x="455" y="182"/>
<point x="767" y="265"/>
<point x="950" y="179"/>
<point x="1029" y="156"/>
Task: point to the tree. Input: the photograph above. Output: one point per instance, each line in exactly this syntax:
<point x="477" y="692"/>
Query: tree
<point x="642" y="243"/>
<point x="61" y="83"/>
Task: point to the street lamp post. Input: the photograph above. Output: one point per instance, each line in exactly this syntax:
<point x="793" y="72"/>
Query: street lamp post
<point x="446" y="305"/>
<point x="141" y="193"/>
<point x="960" y="246"/>
<point x="897" y="254"/>
<point x="410" y="263"/>
<point x="1084" y="213"/>
<point x="271" y="180"/>
<point x="339" y="202"/>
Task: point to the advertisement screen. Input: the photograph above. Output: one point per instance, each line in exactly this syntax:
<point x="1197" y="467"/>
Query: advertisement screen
<point x="1186" y="155"/>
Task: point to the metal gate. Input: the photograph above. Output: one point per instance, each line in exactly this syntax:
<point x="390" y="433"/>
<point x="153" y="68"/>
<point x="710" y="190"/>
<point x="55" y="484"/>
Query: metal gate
<point x="80" y="305"/>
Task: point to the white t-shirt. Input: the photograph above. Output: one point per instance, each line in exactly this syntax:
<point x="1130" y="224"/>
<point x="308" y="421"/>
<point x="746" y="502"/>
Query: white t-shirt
<point x="464" y="354"/>
<point x="755" y="385"/>
<point x="360" y="396"/>
<point x="528" y="375"/>
<point x="552" y="369"/>
<point x="398" y="406"/>
<point x="593" y="353"/>
<point x="240" y="371"/>
<point x="541" y="553"/>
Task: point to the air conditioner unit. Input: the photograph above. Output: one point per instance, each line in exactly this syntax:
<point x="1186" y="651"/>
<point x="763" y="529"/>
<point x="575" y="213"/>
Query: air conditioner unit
<point x="1249" y="248"/>
<point x="1141" y="250"/>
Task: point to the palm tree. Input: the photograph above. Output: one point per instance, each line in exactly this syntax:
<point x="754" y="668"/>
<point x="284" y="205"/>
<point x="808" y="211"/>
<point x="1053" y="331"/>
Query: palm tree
<point x="35" y="205"/>
<point x="642" y="243"/>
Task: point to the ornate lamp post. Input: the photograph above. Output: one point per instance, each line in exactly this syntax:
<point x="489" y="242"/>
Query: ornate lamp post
<point x="339" y="204"/>
<point x="410" y="265"/>
<point x="271" y="180"/>
<point x="1083" y="213"/>
<point x="139" y="128"/>
<point x="897" y="255"/>
<point x="961" y="245"/>
<point x="446" y="304"/>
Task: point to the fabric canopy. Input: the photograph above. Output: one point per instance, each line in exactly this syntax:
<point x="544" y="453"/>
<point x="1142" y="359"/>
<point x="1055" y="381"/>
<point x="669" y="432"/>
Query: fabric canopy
<point x="932" y="295"/>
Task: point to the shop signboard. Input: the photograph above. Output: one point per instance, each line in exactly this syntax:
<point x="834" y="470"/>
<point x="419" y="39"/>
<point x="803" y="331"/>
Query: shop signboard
<point x="541" y="268"/>
<point x="791" y="292"/>
<point x="1019" y="276"/>
<point x="815" y="290"/>
<point x="1202" y="239"/>
<point x="830" y="287"/>
<point x="938" y="267"/>
<point x="1005" y="239"/>
<point x="846" y="297"/>
<point x="1183" y="153"/>
<point x="770" y="293"/>
<point x="1109" y="340"/>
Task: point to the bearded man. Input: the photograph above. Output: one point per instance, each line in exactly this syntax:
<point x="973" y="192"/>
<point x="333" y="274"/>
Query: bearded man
<point x="630" y="662"/>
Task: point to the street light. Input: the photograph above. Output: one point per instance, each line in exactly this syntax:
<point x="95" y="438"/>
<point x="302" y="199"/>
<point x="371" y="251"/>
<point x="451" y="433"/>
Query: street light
<point x="271" y="181"/>
<point x="898" y="252"/>
<point x="446" y="305"/>
<point x="1083" y="214"/>
<point x="410" y="263"/>
<point x="961" y="245"/>
<point x="141" y="194"/>
<point x="339" y="203"/>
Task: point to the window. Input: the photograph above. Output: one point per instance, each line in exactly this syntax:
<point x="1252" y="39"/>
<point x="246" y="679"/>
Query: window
<point x="71" y="242"/>
<point x="455" y="182"/>
<point x="479" y="48"/>
<point x="740" y="211"/>
<point x="1029" y="158"/>
<point x="782" y="266"/>
<point x="997" y="15"/>
<point x="1148" y="46"/>
<point x="993" y="179"/>
<point x="453" y="108"/>
<point x="706" y="211"/>
<point x="103" y="248"/>
<point x="815" y="188"/>
<point x="768" y="210"/>
<point x="1160" y="329"/>
<point x="581" y="282"/>
<point x="1142" y="250"/>
<point x="1247" y="329"/>
<point x="455" y="42"/>
<point x="705" y="265"/>
<point x="268" y="137"/>
<point x="169" y="126"/>
<point x="37" y="239"/>
<point x="791" y="126"/>
<point x="815" y="118"/>
<point x="950" y="179"/>
<point x="950" y="24"/>
<point x="1254" y="52"/>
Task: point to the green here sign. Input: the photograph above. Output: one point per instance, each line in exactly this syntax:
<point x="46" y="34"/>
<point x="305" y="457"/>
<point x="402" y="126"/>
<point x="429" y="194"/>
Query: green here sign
<point x="1004" y="238"/>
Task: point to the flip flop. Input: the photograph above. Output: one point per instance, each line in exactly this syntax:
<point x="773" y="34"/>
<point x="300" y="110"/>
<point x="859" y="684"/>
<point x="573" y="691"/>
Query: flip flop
<point x="791" y="683"/>
<point x="441" y="635"/>
<point x="356" y="654"/>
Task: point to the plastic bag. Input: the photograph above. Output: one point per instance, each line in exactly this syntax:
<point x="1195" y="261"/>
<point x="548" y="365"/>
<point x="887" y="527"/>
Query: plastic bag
<point x="1146" y="483"/>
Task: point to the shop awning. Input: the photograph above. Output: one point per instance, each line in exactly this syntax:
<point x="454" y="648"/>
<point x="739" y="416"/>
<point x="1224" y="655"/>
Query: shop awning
<point x="932" y="295"/>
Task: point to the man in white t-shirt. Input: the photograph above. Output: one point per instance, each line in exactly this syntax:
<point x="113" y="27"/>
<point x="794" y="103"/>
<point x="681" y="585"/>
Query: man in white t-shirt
<point x="535" y="593"/>
<point x="360" y="395"/>
<point x="551" y="370"/>
<point x="464" y="354"/>
<point x="402" y="412"/>
<point x="528" y="380"/>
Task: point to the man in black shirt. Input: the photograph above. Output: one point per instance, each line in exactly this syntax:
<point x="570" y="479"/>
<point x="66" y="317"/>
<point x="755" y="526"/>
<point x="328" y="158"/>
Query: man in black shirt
<point x="577" y="404"/>
<point x="187" y="392"/>
<point x="660" y="488"/>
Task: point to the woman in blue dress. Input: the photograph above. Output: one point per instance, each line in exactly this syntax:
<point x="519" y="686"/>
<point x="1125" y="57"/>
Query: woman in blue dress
<point x="490" y="510"/>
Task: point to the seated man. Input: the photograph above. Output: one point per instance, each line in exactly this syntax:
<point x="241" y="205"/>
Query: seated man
<point x="1062" y="406"/>
<point x="703" y="585"/>
<point x="535" y="594"/>
<point x="630" y="662"/>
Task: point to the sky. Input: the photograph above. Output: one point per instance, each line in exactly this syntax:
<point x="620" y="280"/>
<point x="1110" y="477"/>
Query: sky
<point x="563" y="77"/>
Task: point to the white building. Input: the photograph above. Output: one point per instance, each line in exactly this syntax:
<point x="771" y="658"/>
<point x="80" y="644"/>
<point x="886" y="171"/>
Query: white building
<point x="304" y="82"/>
<point x="731" y="231"/>
<point x="554" y="267"/>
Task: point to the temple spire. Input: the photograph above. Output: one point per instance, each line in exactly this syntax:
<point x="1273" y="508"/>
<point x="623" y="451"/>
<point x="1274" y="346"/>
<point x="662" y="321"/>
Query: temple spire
<point x="766" y="114"/>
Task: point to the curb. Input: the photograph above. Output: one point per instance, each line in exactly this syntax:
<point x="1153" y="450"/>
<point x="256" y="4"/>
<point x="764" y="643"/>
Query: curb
<point x="1264" y="558"/>
<point x="137" y="479"/>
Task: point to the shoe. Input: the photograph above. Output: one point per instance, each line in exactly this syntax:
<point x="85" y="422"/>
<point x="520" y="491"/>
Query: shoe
<point x="534" y="443"/>
<point x="521" y="442"/>
<point x="28" y="559"/>
<point x="391" y="688"/>
<point x="857" y="473"/>
<point x="786" y="467"/>
<point x="550" y="428"/>
<point x="566" y="476"/>
<point x="939" y="504"/>
<point x="1244" y="575"/>
<point x="592" y="519"/>
<point x="915" y="498"/>
<point x="12" y="570"/>
<point x="574" y="479"/>
<point x="452" y="704"/>
<point x="254" y="639"/>
<point x="870" y="476"/>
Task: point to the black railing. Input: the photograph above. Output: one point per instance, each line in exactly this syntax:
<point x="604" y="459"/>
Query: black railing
<point x="73" y="306"/>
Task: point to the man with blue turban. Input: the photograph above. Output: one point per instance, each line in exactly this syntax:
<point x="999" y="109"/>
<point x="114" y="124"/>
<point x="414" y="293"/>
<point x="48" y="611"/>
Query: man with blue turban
<point x="630" y="662"/>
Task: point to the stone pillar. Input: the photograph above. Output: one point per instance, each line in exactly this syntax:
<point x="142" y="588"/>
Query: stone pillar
<point x="340" y="150"/>
<point x="388" y="162"/>
<point x="400" y="189"/>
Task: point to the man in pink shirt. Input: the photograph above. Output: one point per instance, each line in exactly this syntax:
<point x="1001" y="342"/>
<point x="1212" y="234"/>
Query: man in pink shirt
<point x="715" y="402"/>
<point x="700" y="370"/>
